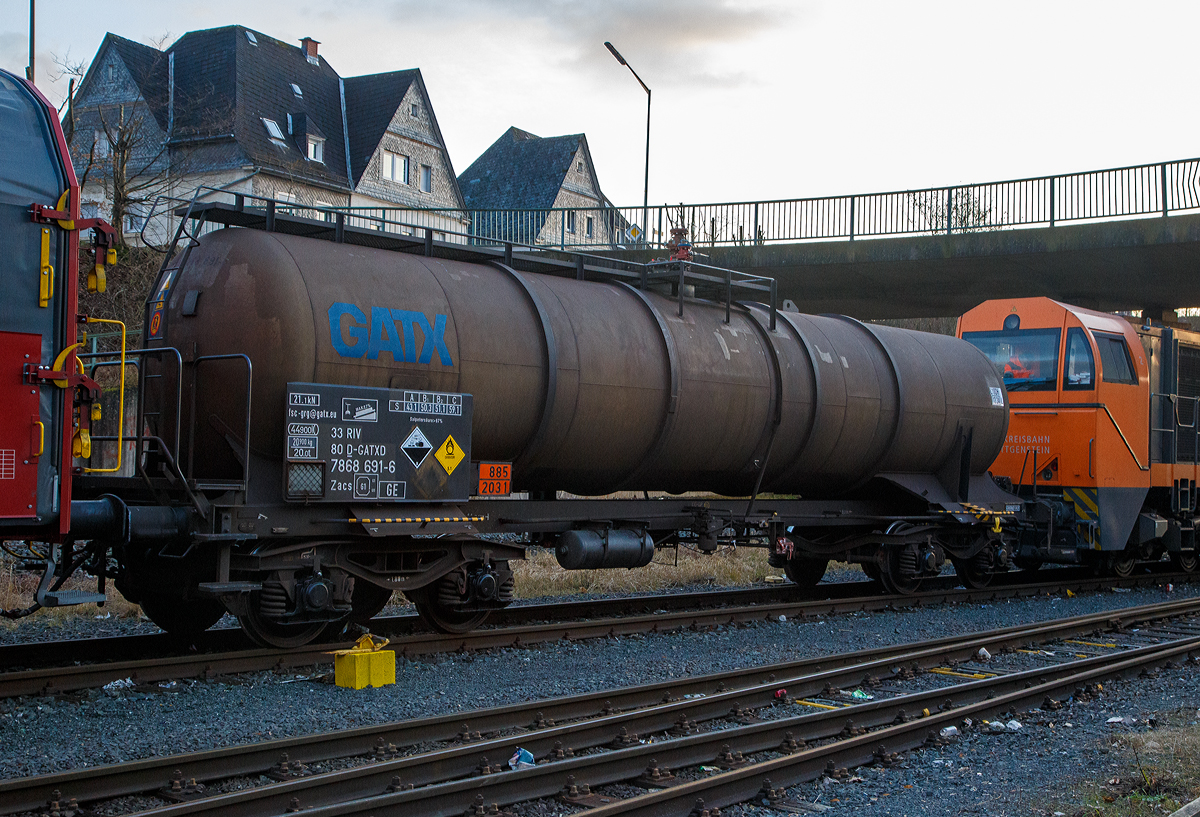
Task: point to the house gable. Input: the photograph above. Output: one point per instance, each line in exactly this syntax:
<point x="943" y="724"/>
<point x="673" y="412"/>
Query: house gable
<point x="394" y="136"/>
<point x="521" y="171"/>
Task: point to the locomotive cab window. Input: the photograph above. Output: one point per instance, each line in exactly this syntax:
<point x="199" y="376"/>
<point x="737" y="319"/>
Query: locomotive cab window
<point x="1116" y="366"/>
<point x="1079" y="369"/>
<point x="1027" y="358"/>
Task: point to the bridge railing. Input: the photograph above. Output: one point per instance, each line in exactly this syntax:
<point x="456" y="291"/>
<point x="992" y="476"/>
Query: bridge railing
<point x="1099" y="195"/>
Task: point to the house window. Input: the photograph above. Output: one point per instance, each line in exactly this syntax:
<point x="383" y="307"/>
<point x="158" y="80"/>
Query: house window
<point x="250" y="36"/>
<point x="413" y="110"/>
<point x="590" y="227"/>
<point x="89" y="209"/>
<point x="274" y="132"/>
<point x="427" y="178"/>
<point x="395" y="167"/>
<point x="100" y="139"/>
<point x="135" y="218"/>
<point x="570" y="221"/>
<point x="324" y="212"/>
<point x="316" y="149"/>
<point x="296" y="90"/>
<point x="112" y="72"/>
<point x="579" y="167"/>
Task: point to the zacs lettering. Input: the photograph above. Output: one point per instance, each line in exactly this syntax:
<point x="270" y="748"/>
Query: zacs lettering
<point x="387" y="330"/>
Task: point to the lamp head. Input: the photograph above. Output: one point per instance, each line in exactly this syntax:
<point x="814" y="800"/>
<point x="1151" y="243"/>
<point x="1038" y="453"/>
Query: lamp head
<point x="615" y="53"/>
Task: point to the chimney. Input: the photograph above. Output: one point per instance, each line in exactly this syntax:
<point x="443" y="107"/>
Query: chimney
<point x="310" y="49"/>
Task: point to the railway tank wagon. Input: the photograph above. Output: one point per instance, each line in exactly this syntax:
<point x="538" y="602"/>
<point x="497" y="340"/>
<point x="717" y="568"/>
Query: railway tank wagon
<point x="587" y="387"/>
<point x="328" y="413"/>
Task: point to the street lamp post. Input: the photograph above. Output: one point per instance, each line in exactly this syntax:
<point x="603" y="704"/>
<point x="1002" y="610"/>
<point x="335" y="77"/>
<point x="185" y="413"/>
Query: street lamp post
<point x="646" y="189"/>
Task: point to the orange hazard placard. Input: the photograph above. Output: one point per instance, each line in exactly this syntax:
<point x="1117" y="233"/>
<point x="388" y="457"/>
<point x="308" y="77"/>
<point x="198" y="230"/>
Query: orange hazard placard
<point x="495" y="478"/>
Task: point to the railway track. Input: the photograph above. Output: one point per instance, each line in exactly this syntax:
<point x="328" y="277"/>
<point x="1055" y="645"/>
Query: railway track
<point x="572" y="621"/>
<point x="787" y="722"/>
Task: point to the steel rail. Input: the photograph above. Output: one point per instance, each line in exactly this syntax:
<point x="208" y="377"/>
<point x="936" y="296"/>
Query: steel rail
<point x="56" y="680"/>
<point x="973" y="699"/>
<point x="743" y="784"/>
<point x="712" y="696"/>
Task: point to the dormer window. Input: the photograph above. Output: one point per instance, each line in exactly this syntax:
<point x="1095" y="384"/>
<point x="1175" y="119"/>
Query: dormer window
<point x="274" y="132"/>
<point x="296" y="90"/>
<point x="250" y="36"/>
<point x="316" y="149"/>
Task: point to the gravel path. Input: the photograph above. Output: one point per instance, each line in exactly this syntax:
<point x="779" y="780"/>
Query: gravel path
<point x="993" y="775"/>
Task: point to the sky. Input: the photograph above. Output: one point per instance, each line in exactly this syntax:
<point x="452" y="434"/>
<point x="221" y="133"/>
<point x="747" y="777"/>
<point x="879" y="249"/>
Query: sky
<point x="752" y="100"/>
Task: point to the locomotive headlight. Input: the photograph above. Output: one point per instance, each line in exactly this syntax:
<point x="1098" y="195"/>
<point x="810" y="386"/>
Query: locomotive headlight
<point x="1012" y="323"/>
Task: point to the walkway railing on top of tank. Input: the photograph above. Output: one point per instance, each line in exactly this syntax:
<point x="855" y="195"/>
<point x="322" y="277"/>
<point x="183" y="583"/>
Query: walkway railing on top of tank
<point x="450" y="226"/>
<point x="1099" y="195"/>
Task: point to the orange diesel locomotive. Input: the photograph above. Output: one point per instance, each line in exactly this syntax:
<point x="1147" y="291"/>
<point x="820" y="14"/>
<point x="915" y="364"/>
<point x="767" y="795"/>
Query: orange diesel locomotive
<point x="1102" y="436"/>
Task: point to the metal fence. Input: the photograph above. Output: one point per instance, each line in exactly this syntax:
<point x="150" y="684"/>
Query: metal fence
<point x="1100" y="195"/>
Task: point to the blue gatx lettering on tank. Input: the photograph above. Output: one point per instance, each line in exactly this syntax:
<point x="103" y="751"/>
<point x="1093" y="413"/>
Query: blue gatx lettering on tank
<point x="388" y="330"/>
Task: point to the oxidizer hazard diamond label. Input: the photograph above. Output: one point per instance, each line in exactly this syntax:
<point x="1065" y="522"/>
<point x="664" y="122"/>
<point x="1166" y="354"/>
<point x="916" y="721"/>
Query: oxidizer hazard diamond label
<point x="416" y="447"/>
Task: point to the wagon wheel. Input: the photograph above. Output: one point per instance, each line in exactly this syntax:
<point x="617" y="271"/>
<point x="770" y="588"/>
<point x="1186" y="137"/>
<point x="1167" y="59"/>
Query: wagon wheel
<point x="184" y="618"/>
<point x="805" y="572"/>
<point x="442" y="619"/>
<point x="1121" y="564"/>
<point x="270" y="632"/>
<point x="890" y="575"/>
<point x="368" y="600"/>
<point x="434" y="606"/>
<point x="973" y="574"/>
<point x="1185" y="562"/>
<point x="893" y="579"/>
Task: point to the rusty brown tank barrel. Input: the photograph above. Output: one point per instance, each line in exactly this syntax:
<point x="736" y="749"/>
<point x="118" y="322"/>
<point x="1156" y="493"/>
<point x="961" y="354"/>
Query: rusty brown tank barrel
<point x="587" y="387"/>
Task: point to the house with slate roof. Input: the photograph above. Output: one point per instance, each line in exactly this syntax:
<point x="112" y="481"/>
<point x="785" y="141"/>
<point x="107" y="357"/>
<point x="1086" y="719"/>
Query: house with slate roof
<point x="551" y="180"/>
<point x="235" y="109"/>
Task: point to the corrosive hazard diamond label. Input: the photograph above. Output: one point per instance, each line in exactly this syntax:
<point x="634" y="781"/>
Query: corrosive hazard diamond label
<point x="416" y="447"/>
<point x="449" y="455"/>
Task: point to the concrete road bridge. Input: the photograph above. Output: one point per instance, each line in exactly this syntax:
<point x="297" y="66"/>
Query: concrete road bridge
<point x="1117" y="239"/>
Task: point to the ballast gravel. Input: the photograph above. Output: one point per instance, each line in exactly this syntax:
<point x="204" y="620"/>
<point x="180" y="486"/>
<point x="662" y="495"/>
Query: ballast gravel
<point x="986" y="774"/>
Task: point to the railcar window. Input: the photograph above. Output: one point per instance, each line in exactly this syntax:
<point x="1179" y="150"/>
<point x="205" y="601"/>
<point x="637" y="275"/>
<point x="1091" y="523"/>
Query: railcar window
<point x="1027" y="358"/>
<point x="1115" y="364"/>
<point x="1079" y="370"/>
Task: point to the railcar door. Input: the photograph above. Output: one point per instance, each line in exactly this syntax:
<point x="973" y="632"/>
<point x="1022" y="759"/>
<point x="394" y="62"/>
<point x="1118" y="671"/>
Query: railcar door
<point x="36" y="313"/>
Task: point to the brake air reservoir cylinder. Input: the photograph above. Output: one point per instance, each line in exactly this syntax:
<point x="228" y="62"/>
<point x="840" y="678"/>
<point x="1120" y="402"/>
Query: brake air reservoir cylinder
<point x="585" y="386"/>
<point x="594" y="549"/>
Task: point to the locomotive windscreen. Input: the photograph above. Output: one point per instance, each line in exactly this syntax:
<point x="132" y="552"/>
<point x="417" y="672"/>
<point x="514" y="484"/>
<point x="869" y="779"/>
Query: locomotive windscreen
<point x="1028" y="358"/>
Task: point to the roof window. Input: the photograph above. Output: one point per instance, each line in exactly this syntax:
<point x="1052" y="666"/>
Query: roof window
<point x="296" y="90"/>
<point x="250" y="36"/>
<point x="273" y="131"/>
<point x="316" y="149"/>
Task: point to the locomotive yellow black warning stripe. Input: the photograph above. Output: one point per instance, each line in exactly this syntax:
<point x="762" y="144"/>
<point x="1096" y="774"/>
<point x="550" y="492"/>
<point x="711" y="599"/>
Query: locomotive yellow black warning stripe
<point x="410" y="520"/>
<point x="1086" y="502"/>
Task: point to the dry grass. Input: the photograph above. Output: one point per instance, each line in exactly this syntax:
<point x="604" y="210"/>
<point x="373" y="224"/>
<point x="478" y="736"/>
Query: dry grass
<point x="537" y="577"/>
<point x="1159" y="773"/>
<point x="17" y="588"/>
<point x="540" y="574"/>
